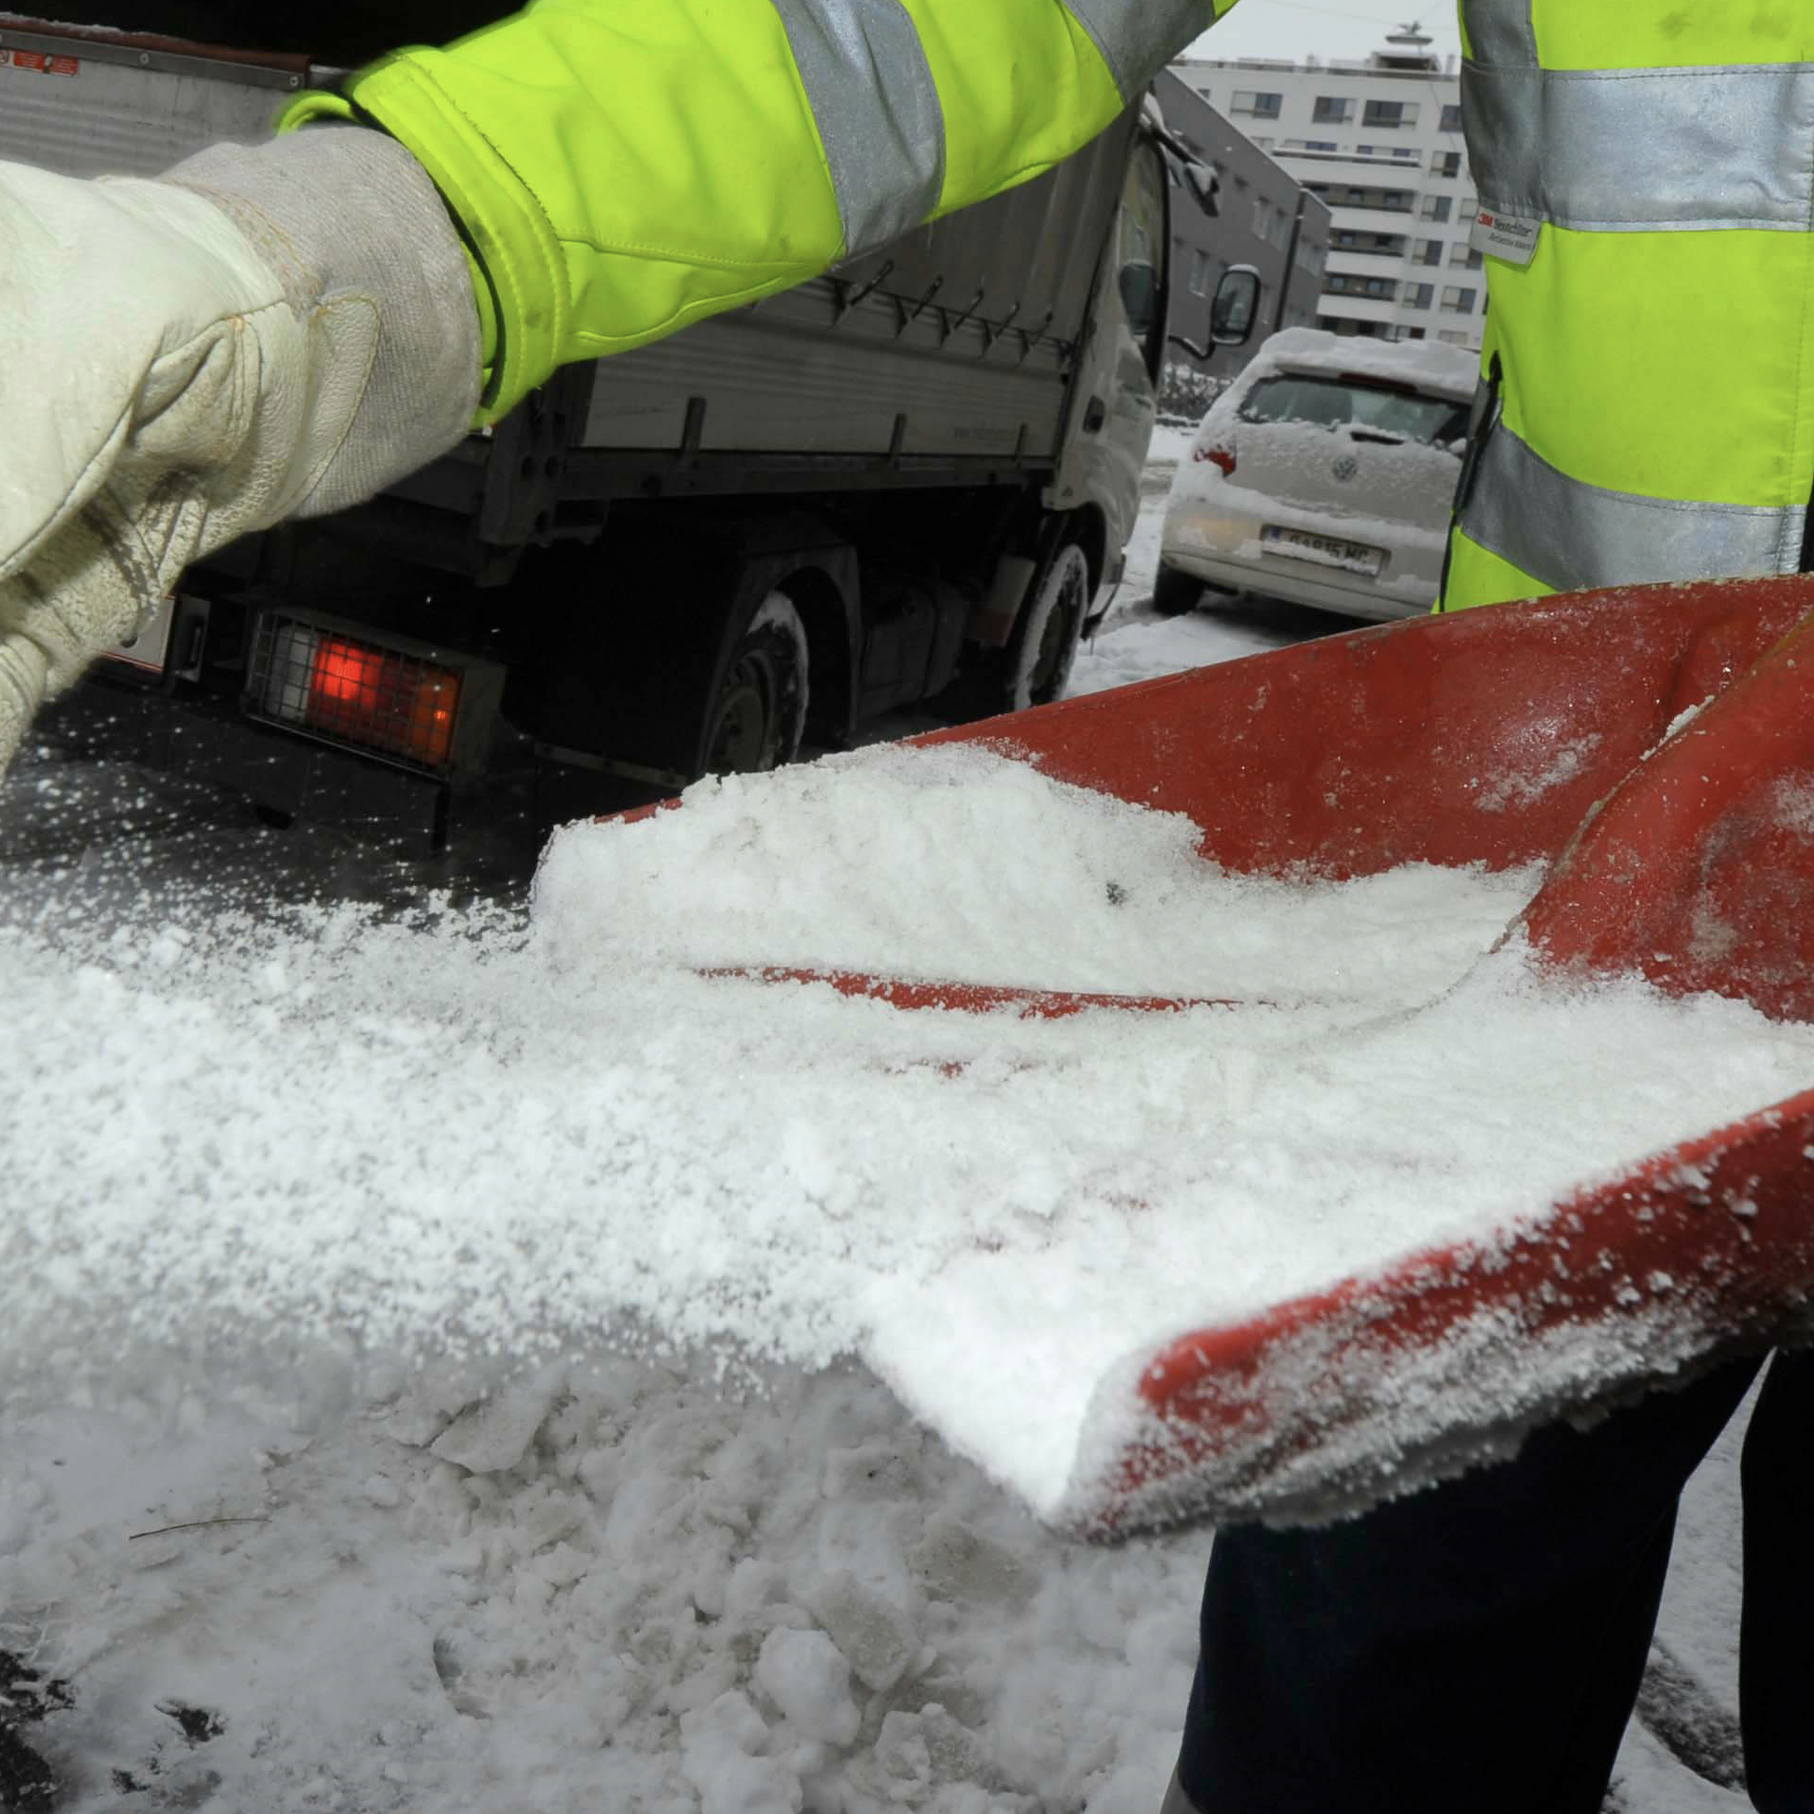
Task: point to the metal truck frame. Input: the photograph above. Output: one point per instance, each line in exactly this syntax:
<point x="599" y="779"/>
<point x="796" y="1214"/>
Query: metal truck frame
<point x="910" y="479"/>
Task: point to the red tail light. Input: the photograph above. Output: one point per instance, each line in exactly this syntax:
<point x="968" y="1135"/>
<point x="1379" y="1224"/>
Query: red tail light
<point x="1223" y="457"/>
<point x="383" y="700"/>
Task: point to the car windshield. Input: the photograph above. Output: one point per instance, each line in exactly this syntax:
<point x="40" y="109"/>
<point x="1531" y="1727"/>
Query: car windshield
<point x="1337" y="402"/>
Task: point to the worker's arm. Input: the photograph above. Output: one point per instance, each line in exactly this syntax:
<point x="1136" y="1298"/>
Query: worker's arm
<point x="621" y="169"/>
<point x="282" y="330"/>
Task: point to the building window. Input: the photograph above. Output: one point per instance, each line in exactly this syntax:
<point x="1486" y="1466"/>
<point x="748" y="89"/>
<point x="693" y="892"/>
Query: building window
<point x="1415" y="334"/>
<point x="1349" y="283"/>
<point x="1319" y="144"/>
<point x="1454" y="336"/>
<point x="1332" y="109"/>
<point x="1436" y="207"/>
<point x="1451" y="116"/>
<point x="1470" y="206"/>
<point x="1261" y="106"/>
<point x="1346" y="195"/>
<point x="1459" y="300"/>
<point x="1199" y="272"/>
<point x="1389" y="113"/>
<point x="1445" y="163"/>
<point x="1420" y="295"/>
<point x="1462" y="254"/>
<point x="1350" y="239"/>
<point x="1350" y="329"/>
<point x="1429" y="252"/>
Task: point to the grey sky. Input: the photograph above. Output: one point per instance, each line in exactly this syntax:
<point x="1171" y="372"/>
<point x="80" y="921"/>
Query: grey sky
<point x="1288" y="28"/>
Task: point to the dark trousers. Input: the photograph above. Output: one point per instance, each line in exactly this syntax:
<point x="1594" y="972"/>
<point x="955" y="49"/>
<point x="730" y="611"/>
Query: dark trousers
<point x="1480" y="1645"/>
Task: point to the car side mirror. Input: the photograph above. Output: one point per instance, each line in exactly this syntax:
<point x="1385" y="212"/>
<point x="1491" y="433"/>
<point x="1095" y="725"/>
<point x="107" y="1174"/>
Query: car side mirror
<point x="1236" y="305"/>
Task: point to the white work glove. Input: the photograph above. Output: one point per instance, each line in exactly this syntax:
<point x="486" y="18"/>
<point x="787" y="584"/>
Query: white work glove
<point x="262" y="332"/>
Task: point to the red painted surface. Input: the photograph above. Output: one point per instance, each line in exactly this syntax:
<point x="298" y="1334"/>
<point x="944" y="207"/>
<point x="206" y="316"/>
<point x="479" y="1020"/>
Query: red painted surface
<point x="1433" y="740"/>
<point x="1699" y="869"/>
<point x="1725" y="1218"/>
<point x="1489" y="737"/>
<point x="982" y="998"/>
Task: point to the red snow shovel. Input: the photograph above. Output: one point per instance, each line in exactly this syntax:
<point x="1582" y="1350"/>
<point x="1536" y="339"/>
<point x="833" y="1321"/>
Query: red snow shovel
<point x="1496" y="737"/>
<point x="1503" y="736"/>
<point x="1507" y="734"/>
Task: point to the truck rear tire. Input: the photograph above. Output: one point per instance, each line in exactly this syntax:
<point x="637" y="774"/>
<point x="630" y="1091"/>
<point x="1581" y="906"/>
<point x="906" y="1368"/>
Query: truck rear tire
<point x="1175" y="593"/>
<point x="1043" y="647"/>
<point x="759" y="715"/>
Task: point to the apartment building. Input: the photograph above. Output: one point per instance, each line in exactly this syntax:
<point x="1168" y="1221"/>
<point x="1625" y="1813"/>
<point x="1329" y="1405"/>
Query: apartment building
<point x="1379" y="141"/>
<point x="1265" y="219"/>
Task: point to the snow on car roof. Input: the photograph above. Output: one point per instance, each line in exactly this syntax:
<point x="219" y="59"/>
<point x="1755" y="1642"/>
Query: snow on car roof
<point x="1433" y="365"/>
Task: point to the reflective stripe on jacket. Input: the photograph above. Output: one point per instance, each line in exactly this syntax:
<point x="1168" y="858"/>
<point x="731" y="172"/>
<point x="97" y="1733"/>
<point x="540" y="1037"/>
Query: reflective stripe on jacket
<point x="621" y="169"/>
<point x="1654" y="408"/>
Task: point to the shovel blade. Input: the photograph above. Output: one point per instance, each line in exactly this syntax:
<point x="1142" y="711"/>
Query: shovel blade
<point x="1317" y="1408"/>
<point x="1698" y="870"/>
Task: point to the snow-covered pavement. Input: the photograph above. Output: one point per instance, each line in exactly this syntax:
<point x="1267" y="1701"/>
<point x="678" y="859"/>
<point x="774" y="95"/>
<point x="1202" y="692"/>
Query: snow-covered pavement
<point x="301" y="1572"/>
<point x="1136" y="643"/>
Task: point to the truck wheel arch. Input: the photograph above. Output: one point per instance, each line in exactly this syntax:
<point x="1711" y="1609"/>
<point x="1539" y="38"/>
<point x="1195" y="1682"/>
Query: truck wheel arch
<point x="1089" y="528"/>
<point x="829" y="613"/>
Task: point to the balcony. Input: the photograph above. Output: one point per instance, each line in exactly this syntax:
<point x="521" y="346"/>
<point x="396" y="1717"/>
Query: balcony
<point x="1360" y="308"/>
<point x="1374" y="247"/>
<point x="1345" y="166"/>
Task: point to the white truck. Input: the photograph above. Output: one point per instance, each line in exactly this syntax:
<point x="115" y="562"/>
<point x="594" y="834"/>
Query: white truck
<point x="909" y="479"/>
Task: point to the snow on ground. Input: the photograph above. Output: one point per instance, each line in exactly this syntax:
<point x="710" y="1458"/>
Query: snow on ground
<point x="263" y="1163"/>
<point x="1135" y="643"/>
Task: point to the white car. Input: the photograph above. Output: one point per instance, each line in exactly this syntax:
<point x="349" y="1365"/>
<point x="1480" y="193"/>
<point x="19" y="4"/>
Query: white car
<point x="1323" y="475"/>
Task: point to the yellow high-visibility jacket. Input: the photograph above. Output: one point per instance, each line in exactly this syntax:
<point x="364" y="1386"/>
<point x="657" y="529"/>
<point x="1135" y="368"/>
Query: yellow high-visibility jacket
<point x="1651" y="368"/>
<point x="621" y="168"/>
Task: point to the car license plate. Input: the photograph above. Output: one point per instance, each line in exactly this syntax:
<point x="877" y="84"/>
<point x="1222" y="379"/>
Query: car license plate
<point x="149" y="649"/>
<point x="1331" y="551"/>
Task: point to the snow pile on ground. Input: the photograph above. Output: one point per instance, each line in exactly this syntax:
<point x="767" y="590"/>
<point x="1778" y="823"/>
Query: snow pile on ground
<point x="608" y="1588"/>
<point x="1136" y="644"/>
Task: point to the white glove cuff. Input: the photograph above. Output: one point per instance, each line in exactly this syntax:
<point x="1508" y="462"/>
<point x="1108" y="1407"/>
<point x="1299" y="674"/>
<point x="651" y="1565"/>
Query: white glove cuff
<point x="344" y="211"/>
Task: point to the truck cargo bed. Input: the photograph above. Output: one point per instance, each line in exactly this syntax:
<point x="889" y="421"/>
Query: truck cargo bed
<point x="956" y="341"/>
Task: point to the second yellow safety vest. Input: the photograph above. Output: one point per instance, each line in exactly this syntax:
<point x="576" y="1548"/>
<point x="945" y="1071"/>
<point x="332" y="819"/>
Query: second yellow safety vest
<point x="1647" y="171"/>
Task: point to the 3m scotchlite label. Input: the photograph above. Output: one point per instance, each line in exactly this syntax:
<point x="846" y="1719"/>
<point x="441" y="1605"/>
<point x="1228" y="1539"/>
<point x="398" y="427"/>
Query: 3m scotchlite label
<point x="1504" y="236"/>
<point x="1570" y="535"/>
<point x="877" y="110"/>
<point x="1138" y="37"/>
<point x="1636" y="150"/>
<point x="1500" y="32"/>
